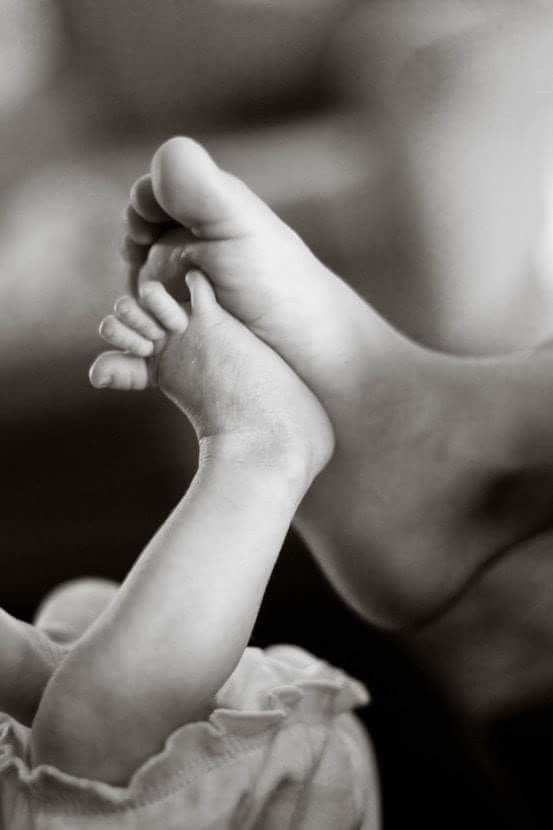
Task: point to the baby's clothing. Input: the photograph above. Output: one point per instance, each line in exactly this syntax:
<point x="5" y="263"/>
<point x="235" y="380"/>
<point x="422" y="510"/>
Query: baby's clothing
<point x="281" y="751"/>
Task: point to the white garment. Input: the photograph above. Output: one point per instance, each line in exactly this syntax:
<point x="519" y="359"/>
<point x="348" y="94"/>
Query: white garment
<point x="281" y="751"/>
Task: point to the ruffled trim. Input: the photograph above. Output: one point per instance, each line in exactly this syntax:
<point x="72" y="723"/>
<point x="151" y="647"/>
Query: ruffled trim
<point x="267" y="692"/>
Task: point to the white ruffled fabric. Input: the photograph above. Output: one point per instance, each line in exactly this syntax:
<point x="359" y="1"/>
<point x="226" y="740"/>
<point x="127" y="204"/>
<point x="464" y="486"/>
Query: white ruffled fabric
<point x="281" y="751"/>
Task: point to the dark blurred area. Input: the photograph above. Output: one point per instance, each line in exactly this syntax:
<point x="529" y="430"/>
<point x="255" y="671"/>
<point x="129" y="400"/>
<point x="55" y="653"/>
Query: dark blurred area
<point x="89" y="88"/>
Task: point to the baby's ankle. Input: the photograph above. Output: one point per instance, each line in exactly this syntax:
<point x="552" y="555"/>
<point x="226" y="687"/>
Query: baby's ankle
<point x="278" y="457"/>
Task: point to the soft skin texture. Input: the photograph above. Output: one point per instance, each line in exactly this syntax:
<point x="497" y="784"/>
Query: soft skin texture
<point x="464" y="93"/>
<point x="430" y="450"/>
<point x="460" y="97"/>
<point x="155" y="657"/>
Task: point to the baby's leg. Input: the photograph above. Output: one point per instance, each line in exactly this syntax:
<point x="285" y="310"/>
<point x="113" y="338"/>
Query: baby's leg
<point x="465" y="95"/>
<point x="180" y="622"/>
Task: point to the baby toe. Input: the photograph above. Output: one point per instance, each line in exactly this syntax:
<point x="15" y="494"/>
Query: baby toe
<point x="199" y="195"/>
<point x="129" y="312"/>
<point x="163" y="307"/>
<point x="133" y="253"/>
<point x="144" y="202"/>
<point x="118" y="334"/>
<point x="117" y="370"/>
<point x="168" y="260"/>
<point x="140" y="230"/>
<point x="202" y="295"/>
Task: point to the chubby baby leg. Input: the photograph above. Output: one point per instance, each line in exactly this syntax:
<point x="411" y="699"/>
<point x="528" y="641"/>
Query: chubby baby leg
<point x="155" y="658"/>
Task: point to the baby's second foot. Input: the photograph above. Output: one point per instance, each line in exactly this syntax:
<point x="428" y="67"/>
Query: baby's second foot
<point x="27" y="659"/>
<point x="419" y="494"/>
<point x="235" y="390"/>
<point x="29" y="654"/>
<point x="262" y="272"/>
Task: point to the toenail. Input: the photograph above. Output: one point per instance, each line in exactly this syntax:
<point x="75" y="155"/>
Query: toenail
<point x="122" y="305"/>
<point x="107" y="329"/>
<point x="104" y="381"/>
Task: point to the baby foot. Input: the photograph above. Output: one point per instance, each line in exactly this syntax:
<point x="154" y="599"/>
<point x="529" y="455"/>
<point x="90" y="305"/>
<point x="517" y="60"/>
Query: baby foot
<point x="29" y="654"/>
<point x="234" y="389"/>
<point x="70" y="608"/>
<point x="262" y="272"/>
<point x="27" y="659"/>
<point x="418" y="496"/>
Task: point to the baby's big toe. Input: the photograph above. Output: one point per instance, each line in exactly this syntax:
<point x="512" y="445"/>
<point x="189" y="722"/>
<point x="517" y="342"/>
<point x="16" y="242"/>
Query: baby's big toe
<point x="199" y="195"/>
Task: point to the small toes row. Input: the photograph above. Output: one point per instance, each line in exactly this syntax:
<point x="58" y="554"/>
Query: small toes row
<point x="123" y="337"/>
<point x="140" y="328"/>
<point x="137" y="331"/>
<point x="130" y="312"/>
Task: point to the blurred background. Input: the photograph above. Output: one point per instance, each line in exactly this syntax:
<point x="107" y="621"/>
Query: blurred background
<point x="88" y="89"/>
